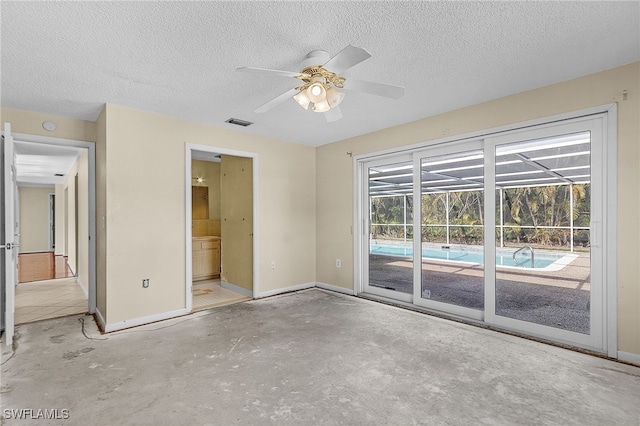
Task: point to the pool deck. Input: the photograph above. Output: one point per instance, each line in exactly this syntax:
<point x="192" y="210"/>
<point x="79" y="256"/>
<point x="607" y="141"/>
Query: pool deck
<point x="575" y="275"/>
<point x="555" y="298"/>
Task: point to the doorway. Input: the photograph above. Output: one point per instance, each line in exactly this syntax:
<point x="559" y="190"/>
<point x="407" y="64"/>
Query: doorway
<point x="505" y="229"/>
<point x="56" y="264"/>
<point x="221" y="227"/>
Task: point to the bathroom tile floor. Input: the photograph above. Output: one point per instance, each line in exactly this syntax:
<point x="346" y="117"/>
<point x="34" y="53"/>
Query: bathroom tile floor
<point x="39" y="300"/>
<point x="210" y="293"/>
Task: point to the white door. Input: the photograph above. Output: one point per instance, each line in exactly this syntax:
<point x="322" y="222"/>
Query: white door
<point x="11" y="238"/>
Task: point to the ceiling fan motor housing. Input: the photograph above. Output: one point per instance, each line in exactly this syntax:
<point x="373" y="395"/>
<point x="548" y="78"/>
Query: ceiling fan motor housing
<point x="316" y="57"/>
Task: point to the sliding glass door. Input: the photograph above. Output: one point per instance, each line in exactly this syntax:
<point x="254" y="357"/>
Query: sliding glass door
<point x="546" y="193"/>
<point x="389" y="242"/>
<point x="506" y="229"/>
<point x="451" y="221"/>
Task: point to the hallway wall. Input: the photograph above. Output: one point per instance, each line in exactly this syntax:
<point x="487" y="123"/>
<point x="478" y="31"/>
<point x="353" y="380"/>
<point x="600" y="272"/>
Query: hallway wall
<point x="34" y="218"/>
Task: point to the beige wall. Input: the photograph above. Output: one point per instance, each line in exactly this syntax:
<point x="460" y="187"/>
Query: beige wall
<point x="34" y="218"/>
<point x="335" y="173"/>
<point x="101" y="212"/>
<point x="77" y="257"/>
<point x="237" y="220"/>
<point x="210" y="172"/>
<point x="60" y="219"/>
<point x="31" y="123"/>
<point x="145" y="218"/>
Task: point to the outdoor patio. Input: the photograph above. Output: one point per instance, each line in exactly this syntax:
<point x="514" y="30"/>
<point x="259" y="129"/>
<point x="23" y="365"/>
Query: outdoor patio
<point x="553" y="298"/>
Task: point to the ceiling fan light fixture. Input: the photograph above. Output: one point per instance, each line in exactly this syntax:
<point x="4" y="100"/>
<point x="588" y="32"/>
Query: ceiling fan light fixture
<point x="334" y="97"/>
<point x="302" y="99"/>
<point x="321" y="106"/>
<point x="316" y="91"/>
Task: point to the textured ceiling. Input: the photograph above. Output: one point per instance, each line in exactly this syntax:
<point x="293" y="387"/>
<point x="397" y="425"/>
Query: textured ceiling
<point x="38" y="164"/>
<point x="179" y="58"/>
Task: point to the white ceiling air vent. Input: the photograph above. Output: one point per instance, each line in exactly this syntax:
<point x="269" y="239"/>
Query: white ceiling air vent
<point x="239" y="122"/>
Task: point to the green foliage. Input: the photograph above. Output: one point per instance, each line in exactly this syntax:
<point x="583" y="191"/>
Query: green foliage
<point x="537" y="207"/>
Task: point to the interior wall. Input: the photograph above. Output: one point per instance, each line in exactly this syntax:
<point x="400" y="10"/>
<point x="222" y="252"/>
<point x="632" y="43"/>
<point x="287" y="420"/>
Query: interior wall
<point x="59" y="219"/>
<point x="145" y="218"/>
<point x="237" y="221"/>
<point x="101" y="212"/>
<point x="335" y="187"/>
<point x="70" y="223"/>
<point x="30" y="122"/>
<point x="209" y="171"/>
<point x="78" y="258"/>
<point x="34" y="218"/>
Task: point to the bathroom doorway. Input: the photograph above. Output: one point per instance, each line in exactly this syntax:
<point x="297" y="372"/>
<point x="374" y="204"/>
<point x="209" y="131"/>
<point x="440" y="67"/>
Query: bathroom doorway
<point x="220" y="228"/>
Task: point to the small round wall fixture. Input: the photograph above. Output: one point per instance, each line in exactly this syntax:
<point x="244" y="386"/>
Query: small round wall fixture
<point x="49" y="125"/>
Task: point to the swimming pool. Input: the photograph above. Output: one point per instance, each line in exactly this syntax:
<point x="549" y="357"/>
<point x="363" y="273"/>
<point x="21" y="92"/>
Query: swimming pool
<point x="544" y="260"/>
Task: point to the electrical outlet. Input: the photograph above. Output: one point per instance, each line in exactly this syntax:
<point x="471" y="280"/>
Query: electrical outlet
<point x="338" y="263"/>
<point x="273" y="264"/>
<point x="145" y="283"/>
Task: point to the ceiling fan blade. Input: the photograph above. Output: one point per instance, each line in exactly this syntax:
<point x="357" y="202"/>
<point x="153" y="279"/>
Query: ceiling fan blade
<point x="379" y="89"/>
<point x="276" y="101"/>
<point x="346" y="58"/>
<point x="334" y="114"/>
<point x="279" y="73"/>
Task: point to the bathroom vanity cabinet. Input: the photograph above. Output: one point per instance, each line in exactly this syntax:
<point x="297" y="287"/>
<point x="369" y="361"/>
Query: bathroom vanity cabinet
<point x="205" y="258"/>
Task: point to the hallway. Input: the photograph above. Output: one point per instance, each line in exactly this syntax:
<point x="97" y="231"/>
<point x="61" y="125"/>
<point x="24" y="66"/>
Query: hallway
<point x="40" y="300"/>
<point x="42" y="266"/>
<point x="46" y="288"/>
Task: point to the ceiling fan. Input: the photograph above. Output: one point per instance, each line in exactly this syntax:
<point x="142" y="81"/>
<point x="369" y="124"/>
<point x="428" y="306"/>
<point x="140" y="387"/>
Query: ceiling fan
<point x="321" y="81"/>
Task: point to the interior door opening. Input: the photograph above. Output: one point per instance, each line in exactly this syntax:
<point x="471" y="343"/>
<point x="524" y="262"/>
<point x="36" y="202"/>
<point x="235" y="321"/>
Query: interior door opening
<point x="220" y="214"/>
<point x="47" y="285"/>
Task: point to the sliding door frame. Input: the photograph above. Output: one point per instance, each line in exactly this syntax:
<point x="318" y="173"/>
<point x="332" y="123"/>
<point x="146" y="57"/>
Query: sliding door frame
<point x="391" y="294"/>
<point x="607" y="340"/>
<point x="435" y="151"/>
<point x="596" y="339"/>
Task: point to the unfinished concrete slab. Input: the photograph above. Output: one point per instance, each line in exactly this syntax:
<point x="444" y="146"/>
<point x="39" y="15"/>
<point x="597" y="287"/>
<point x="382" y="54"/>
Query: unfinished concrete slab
<point x="311" y="357"/>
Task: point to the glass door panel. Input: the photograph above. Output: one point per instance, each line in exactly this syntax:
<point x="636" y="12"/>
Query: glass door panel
<point x="543" y="215"/>
<point x="390" y="240"/>
<point x="452" y="232"/>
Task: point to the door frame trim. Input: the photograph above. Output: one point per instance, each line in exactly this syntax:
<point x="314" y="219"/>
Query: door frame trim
<point x="91" y="160"/>
<point x="189" y="148"/>
<point x="609" y="113"/>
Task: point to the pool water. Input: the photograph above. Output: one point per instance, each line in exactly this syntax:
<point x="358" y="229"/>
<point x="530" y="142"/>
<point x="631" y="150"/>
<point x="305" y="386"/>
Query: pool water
<point x="504" y="257"/>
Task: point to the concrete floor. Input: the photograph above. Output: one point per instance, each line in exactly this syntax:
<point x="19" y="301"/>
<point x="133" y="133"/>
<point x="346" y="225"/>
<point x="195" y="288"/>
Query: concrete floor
<point x="307" y="358"/>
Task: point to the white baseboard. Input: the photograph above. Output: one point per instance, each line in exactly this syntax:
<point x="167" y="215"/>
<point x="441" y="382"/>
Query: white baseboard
<point x="108" y="328"/>
<point x="335" y="288"/>
<point x="100" y="319"/>
<point x="243" y="291"/>
<point x="629" y="357"/>
<point x="284" y="290"/>
<point x="84" y="290"/>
